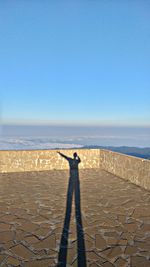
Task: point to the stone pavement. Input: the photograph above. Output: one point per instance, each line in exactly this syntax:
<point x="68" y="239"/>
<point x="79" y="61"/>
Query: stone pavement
<point x="115" y="216"/>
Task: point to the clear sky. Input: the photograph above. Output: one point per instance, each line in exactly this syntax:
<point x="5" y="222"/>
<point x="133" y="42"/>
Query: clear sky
<point x="84" y="61"/>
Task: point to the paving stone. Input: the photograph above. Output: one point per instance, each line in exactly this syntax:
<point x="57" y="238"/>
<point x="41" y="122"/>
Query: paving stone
<point x="115" y="217"/>
<point x="20" y="234"/>
<point x="144" y="244"/>
<point x="138" y="261"/>
<point x="130" y="250"/>
<point x="41" y="231"/>
<point x="94" y="264"/>
<point x="9" y="244"/>
<point x="108" y="264"/>
<point x="31" y="239"/>
<point x="94" y="256"/>
<point x="2" y="257"/>
<point x="131" y="227"/>
<point x="29" y="226"/>
<point x="111" y="234"/>
<point x="12" y="261"/>
<point x="146" y="227"/>
<point x="2" y="209"/>
<point x="90" y="245"/>
<point x="113" y="252"/>
<point x="22" y="251"/>
<point x="121" y="262"/>
<point x="122" y="242"/>
<point x="40" y="263"/>
<point x="100" y="242"/>
<point x="144" y="253"/>
<point x="6" y="236"/>
<point x="4" y="227"/>
<point x="8" y="218"/>
<point x="49" y="242"/>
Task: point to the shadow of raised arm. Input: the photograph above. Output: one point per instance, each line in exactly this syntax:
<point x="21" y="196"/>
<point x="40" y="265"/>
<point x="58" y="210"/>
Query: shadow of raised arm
<point x="62" y="155"/>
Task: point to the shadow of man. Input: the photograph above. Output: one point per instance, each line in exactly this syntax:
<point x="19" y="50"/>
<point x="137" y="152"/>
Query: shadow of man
<point x="73" y="187"/>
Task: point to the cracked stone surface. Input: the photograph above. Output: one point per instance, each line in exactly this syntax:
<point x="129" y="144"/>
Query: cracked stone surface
<point x="115" y="216"/>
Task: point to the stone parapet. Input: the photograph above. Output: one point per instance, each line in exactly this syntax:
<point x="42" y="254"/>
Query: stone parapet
<point x="40" y="160"/>
<point x="136" y="170"/>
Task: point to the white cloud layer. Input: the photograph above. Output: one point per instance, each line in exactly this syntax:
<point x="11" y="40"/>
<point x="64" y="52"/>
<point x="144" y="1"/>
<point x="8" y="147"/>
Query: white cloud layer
<point x="30" y="143"/>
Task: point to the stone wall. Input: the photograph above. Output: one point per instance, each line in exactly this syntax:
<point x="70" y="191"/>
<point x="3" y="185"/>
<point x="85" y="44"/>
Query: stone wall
<point x="130" y="168"/>
<point x="134" y="169"/>
<point x="39" y="160"/>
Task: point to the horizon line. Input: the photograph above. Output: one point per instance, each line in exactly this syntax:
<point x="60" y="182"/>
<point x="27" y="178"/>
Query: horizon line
<point x="72" y="124"/>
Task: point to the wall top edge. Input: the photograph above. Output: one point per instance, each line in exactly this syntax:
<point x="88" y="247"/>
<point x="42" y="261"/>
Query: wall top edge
<point x="125" y="155"/>
<point x="61" y="149"/>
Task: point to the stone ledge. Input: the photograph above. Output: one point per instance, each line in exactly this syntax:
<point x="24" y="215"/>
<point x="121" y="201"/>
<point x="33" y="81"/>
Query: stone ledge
<point x="130" y="168"/>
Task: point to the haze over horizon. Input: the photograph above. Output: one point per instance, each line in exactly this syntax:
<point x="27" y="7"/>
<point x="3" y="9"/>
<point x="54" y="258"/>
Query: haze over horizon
<point x="77" y="64"/>
<point x="47" y="137"/>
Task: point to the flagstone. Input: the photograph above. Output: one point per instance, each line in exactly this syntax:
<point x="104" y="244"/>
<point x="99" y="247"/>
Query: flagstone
<point x="115" y="218"/>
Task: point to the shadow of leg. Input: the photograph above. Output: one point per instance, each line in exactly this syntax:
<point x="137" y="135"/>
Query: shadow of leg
<point x="80" y="232"/>
<point x="62" y="256"/>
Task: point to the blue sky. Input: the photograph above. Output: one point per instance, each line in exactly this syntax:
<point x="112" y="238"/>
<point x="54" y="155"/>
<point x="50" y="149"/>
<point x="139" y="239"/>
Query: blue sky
<point x="75" y="62"/>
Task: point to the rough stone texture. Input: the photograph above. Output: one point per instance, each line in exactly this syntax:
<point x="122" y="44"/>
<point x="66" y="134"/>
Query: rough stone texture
<point x="130" y="168"/>
<point x="115" y="216"/>
<point x="40" y="160"/>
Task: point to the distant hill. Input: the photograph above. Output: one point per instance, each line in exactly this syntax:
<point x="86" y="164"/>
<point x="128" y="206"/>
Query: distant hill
<point x="132" y="151"/>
